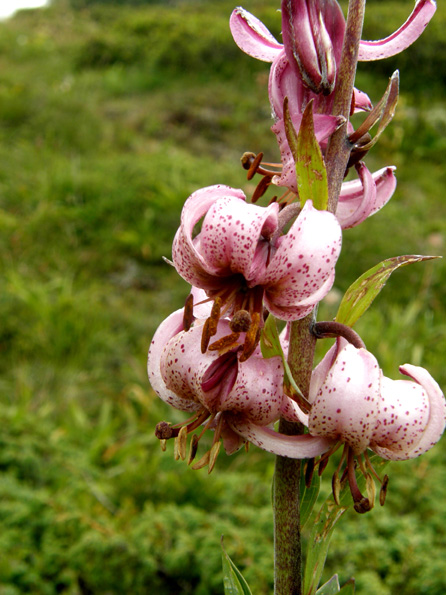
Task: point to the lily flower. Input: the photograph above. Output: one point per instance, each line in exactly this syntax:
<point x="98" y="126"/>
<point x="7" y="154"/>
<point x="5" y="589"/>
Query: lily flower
<point x="304" y="69"/>
<point x="353" y="405"/>
<point x="242" y="259"/>
<point x="216" y="386"/>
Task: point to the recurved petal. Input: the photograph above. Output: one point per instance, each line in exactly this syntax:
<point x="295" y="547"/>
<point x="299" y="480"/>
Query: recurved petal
<point x="301" y="270"/>
<point x="188" y="260"/>
<point x="409" y="32"/>
<point x="252" y="37"/>
<point x="415" y="417"/>
<point x="362" y="198"/>
<point x="169" y="328"/>
<point x="347" y="404"/>
<point x="294" y="447"/>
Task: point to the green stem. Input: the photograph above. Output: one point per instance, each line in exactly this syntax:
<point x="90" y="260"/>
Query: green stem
<point x="287" y="540"/>
<point x="287" y="537"/>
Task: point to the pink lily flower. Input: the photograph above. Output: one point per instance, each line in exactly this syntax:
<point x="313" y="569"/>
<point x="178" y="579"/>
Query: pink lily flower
<point x="353" y="404"/>
<point x="241" y="256"/>
<point x="217" y="385"/>
<point x="304" y="68"/>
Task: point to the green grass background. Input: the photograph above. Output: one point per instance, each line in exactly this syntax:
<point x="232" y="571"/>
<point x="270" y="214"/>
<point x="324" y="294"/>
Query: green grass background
<point x="110" y="116"/>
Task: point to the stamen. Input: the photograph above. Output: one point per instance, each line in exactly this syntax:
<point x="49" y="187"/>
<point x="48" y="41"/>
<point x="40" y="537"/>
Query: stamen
<point x="254" y="166"/>
<point x="188" y="316"/>
<point x="213" y="454"/>
<point x="309" y="471"/>
<point x="205" y="336"/>
<point x="261" y="188"/>
<point x="224" y="343"/>
<point x="215" y="316"/>
<point x="361" y="503"/>
<point x="252" y="337"/>
<point x="192" y="449"/>
<point x="383" y="490"/>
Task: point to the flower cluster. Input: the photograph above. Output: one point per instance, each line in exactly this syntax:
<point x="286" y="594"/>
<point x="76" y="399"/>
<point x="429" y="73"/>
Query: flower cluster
<point x="248" y="262"/>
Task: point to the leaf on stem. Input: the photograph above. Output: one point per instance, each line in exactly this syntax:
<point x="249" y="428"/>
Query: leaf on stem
<point x="271" y="347"/>
<point x="331" y="587"/>
<point x="383" y="113"/>
<point x="233" y="581"/>
<point x="311" y="172"/>
<point x="364" y="290"/>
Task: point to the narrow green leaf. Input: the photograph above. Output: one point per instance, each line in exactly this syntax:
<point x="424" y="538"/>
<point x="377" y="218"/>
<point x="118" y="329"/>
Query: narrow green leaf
<point x="310" y="167"/>
<point x="308" y="496"/>
<point x="364" y="290"/>
<point x="331" y="587"/>
<point x="319" y="543"/>
<point x="233" y="581"/>
<point x="271" y="347"/>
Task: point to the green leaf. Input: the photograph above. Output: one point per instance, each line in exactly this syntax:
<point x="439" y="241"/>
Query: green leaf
<point x="319" y="543"/>
<point x="331" y="587"/>
<point x="310" y="167"/>
<point x="271" y="347"/>
<point x="349" y="587"/>
<point x="364" y="290"/>
<point x="308" y="496"/>
<point x="233" y="581"/>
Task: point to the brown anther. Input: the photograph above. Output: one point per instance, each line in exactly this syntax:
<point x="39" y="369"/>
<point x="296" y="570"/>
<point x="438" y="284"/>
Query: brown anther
<point x="252" y="337"/>
<point x="164" y="431"/>
<point x="188" y="316"/>
<point x="192" y="449"/>
<point x="322" y="464"/>
<point x="180" y="444"/>
<point x="225" y="342"/>
<point x="215" y="316"/>
<point x="383" y="490"/>
<point x="309" y="471"/>
<point x="241" y="321"/>
<point x="246" y="159"/>
<point x="163" y="445"/>
<point x="205" y="336"/>
<point x="261" y="188"/>
<point x="254" y="166"/>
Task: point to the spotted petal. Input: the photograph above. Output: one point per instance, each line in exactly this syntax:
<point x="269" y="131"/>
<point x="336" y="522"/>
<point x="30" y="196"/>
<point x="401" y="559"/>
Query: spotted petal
<point x="168" y="329"/>
<point x="402" y="38"/>
<point x="347" y="404"/>
<point x="301" y="271"/>
<point x="412" y="417"/>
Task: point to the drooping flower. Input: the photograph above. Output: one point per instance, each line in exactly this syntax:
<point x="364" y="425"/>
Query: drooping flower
<point x="353" y="405"/>
<point x="242" y="257"/>
<point x="305" y="69"/>
<point x="217" y="386"/>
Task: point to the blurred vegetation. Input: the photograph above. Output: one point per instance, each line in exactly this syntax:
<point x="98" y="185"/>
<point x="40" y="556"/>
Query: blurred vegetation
<point x="110" y="116"/>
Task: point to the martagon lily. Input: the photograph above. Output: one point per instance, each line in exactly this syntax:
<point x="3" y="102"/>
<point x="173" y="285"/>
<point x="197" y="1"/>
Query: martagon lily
<point x="304" y="68"/>
<point x="216" y="387"/>
<point x="353" y="405"/>
<point x="243" y="259"/>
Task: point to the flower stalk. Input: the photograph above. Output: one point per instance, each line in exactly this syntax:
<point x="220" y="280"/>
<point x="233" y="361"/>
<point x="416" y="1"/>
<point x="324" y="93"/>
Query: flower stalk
<point x="339" y="147"/>
<point x="286" y="498"/>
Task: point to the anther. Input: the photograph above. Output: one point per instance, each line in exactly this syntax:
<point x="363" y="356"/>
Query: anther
<point x="252" y="337"/>
<point x="254" y="166"/>
<point x="224" y="343"/>
<point x="261" y="188"/>
<point x="192" y="449"/>
<point x="188" y="316"/>
<point x="383" y="490"/>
